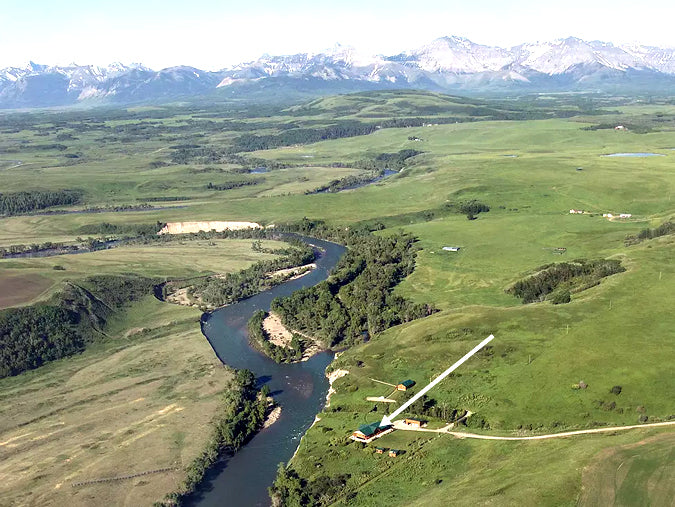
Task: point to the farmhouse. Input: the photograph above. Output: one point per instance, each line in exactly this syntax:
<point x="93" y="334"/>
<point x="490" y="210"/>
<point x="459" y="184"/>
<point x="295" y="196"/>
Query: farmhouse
<point x="405" y="385"/>
<point x="369" y="432"/>
<point x="451" y="248"/>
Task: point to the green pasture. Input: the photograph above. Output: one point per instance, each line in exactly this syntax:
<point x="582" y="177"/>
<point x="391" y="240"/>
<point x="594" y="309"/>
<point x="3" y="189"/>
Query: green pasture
<point x="530" y="173"/>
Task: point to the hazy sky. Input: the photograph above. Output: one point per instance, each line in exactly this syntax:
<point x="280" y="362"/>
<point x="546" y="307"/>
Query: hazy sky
<point x="212" y="34"/>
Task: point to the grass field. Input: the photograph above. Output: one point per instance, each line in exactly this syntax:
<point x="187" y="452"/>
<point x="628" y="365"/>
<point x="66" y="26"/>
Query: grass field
<point x="28" y="279"/>
<point x="142" y="401"/>
<point x="530" y="173"/>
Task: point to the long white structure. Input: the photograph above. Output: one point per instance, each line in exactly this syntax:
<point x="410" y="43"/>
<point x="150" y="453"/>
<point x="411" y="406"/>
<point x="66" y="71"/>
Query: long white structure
<point x="387" y="420"/>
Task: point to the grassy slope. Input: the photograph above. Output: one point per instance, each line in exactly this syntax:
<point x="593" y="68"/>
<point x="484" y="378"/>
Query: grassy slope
<point x="138" y="402"/>
<point x="510" y="392"/>
<point x="163" y="260"/>
<point x="612" y="338"/>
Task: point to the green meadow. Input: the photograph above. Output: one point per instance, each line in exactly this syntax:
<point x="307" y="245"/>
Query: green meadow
<point x="530" y="172"/>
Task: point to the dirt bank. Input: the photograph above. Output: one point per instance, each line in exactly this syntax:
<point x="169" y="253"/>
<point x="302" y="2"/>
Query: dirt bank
<point x="281" y="336"/>
<point x="277" y="332"/>
<point x="332" y="377"/>
<point x="272" y="417"/>
<point x="293" y="273"/>
<point x="191" y="227"/>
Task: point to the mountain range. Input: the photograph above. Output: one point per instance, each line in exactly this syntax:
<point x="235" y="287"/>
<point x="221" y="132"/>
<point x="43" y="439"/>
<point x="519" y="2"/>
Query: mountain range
<point x="447" y="64"/>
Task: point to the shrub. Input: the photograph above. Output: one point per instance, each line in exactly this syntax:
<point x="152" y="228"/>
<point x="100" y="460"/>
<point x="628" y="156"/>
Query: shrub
<point x="560" y="297"/>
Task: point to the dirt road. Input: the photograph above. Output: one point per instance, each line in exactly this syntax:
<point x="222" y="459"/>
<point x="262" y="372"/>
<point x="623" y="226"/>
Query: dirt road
<point x="400" y="425"/>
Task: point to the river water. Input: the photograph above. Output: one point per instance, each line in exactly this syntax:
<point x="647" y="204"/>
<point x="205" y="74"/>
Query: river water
<point x="300" y="389"/>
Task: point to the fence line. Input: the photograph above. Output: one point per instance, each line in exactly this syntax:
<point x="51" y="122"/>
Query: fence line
<point x="123" y="477"/>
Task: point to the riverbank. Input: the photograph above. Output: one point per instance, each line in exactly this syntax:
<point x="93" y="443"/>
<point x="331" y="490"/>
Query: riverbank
<point x="280" y="336"/>
<point x="299" y="388"/>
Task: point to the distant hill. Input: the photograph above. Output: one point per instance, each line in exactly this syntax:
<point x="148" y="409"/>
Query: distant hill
<point x="446" y="64"/>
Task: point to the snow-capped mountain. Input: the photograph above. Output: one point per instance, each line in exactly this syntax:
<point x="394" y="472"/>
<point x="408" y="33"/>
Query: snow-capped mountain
<point x="445" y="64"/>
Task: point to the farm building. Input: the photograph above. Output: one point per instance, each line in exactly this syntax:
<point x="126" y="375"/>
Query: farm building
<point x="451" y="248"/>
<point x="394" y="452"/>
<point x="414" y="423"/>
<point x="380" y="450"/>
<point x="405" y="385"/>
<point x="369" y="432"/>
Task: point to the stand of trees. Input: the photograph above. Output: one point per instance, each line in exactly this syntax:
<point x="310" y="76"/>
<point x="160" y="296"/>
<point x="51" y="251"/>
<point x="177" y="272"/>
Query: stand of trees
<point x="291" y="489"/>
<point x="468" y="208"/>
<point x="35" y="335"/>
<point x="347" y="182"/>
<point x="357" y="300"/>
<point x="250" y="281"/>
<point x="662" y="230"/>
<point x="14" y="203"/>
<point x="555" y="282"/>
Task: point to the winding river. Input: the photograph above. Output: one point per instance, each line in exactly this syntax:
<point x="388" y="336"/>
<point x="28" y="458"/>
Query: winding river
<point x="300" y="389"/>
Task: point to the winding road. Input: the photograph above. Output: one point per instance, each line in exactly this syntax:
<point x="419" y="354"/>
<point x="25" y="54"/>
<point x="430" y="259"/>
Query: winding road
<point x="400" y="425"/>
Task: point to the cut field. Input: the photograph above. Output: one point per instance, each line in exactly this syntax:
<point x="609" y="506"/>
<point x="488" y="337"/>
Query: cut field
<point x="140" y="402"/>
<point x="19" y="289"/>
<point x="636" y="474"/>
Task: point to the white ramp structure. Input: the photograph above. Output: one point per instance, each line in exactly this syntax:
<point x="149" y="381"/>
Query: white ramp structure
<point x="387" y="420"/>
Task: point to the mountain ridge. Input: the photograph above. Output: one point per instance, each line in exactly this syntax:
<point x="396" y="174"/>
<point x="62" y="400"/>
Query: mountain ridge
<point x="450" y="63"/>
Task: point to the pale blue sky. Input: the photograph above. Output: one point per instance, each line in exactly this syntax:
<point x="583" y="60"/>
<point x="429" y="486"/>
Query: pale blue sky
<point x="212" y="34"/>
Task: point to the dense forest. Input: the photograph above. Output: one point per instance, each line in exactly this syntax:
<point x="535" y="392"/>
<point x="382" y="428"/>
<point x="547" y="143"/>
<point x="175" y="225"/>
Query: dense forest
<point x="14" y="203"/>
<point x="556" y="282"/>
<point x="357" y="300"/>
<point x="73" y="318"/>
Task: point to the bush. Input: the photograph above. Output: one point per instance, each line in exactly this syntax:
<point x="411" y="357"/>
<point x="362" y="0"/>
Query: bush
<point x="560" y="297"/>
<point x="615" y="390"/>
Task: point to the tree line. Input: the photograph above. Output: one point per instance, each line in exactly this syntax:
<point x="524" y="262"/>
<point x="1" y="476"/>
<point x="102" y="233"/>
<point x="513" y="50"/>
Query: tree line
<point x="13" y="203"/>
<point x="228" y="185"/>
<point x="240" y="415"/>
<point x="664" y="229"/>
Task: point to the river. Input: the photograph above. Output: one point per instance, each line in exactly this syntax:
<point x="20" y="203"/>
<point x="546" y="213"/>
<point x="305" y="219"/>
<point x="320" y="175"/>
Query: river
<point x="300" y="389"/>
